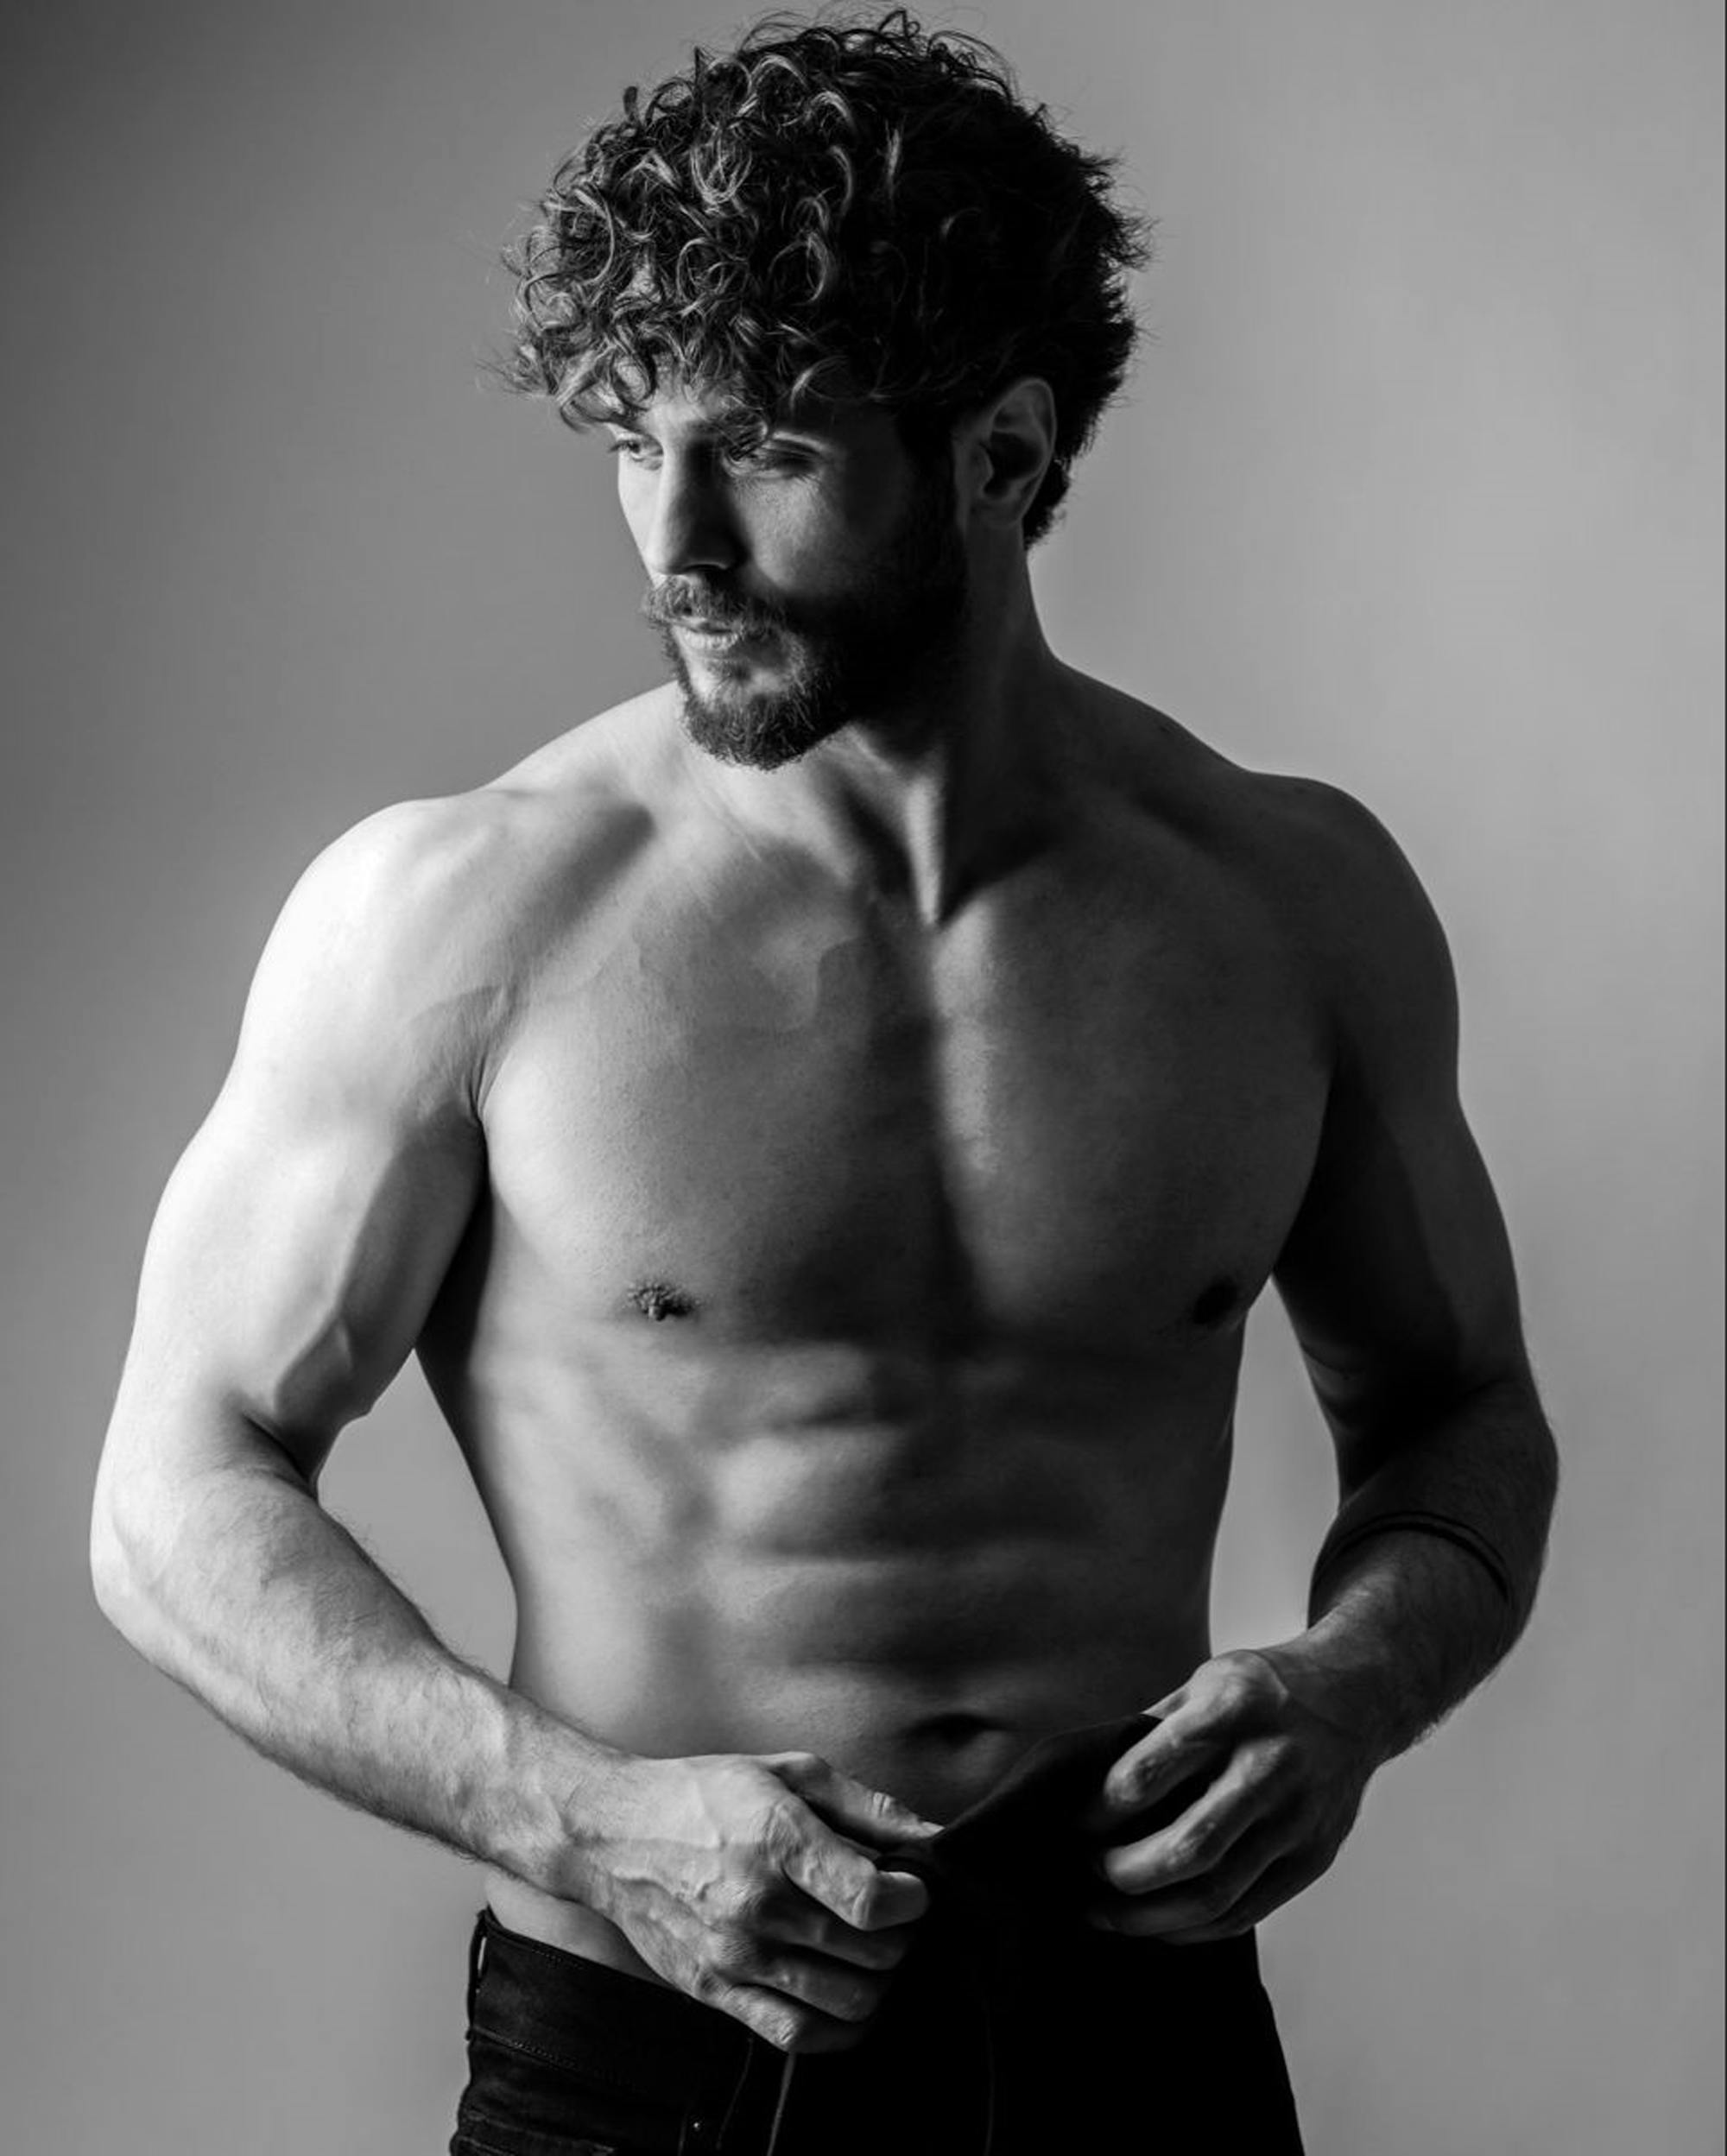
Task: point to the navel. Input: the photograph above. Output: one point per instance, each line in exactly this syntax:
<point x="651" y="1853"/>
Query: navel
<point x="955" y="1730"/>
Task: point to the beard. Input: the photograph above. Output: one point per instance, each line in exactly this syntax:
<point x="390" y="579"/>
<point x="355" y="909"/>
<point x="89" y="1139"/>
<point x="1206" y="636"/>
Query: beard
<point x="872" y="654"/>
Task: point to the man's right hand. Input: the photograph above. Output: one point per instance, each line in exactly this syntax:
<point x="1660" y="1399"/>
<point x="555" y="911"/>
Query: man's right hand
<point x="747" y="1882"/>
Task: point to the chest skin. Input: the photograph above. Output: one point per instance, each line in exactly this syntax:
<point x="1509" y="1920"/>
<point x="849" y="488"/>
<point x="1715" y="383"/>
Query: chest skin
<point x="768" y="1104"/>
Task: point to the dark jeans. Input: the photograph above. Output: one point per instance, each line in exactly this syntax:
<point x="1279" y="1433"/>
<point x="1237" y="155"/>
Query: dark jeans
<point x="1010" y="2027"/>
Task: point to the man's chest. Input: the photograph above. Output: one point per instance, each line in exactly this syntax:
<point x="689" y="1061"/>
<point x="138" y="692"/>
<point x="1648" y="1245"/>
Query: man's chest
<point x="1074" y="1112"/>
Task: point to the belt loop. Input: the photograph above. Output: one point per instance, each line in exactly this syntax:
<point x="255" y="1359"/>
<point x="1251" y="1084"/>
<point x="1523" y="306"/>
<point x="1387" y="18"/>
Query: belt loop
<point x="477" y="1946"/>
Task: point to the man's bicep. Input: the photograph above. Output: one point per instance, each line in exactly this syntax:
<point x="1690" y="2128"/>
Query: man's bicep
<point x="291" y="1265"/>
<point x="305" y="1232"/>
<point x="1397" y="1274"/>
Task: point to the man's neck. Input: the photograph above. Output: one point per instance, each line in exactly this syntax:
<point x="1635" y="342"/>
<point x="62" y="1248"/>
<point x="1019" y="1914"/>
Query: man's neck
<point x="940" y="799"/>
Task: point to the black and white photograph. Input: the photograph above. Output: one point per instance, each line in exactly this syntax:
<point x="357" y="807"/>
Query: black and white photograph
<point x="863" y="1174"/>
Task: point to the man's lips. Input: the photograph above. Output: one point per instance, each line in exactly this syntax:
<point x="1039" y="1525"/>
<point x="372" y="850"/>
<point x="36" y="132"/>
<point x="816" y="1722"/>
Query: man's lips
<point x="719" y="632"/>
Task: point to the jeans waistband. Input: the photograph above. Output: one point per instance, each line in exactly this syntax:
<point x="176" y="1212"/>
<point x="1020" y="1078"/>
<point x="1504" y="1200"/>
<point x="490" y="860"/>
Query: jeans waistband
<point x="590" y="2019"/>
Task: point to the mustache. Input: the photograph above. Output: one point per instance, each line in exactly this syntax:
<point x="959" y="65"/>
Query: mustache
<point x="668" y="603"/>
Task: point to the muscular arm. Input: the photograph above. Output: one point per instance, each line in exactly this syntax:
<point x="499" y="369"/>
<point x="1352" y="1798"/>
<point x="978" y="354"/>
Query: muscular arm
<point x="295" y="1253"/>
<point x="1398" y="1281"/>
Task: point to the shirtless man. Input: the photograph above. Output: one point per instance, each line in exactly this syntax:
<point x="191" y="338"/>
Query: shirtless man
<point x="823" y="1125"/>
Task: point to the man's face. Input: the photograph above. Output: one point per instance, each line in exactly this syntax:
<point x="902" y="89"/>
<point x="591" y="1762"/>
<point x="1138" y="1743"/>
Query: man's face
<point x="798" y="583"/>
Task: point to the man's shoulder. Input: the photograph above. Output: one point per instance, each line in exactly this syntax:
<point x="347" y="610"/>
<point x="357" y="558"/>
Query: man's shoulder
<point x="428" y="918"/>
<point x="1300" y="851"/>
<point x="1356" y="913"/>
<point x="1306" y="835"/>
<point x="457" y="871"/>
<point x="1324" y="847"/>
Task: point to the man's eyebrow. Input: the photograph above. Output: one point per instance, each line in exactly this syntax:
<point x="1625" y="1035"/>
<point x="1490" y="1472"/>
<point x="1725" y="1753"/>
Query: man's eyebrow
<point x="743" y="425"/>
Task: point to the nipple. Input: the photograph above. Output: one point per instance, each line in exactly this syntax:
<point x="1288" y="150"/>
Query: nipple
<point x="659" y="1300"/>
<point x="1219" y="1300"/>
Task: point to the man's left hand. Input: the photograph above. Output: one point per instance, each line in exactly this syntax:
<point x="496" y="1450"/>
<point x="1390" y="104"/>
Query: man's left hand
<point x="1272" y="1779"/>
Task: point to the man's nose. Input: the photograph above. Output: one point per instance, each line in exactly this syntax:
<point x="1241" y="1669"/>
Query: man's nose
<point x="684" y="526"/>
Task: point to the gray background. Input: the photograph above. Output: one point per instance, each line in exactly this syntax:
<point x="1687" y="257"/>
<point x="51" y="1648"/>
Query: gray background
<point x="1418" y="492"/>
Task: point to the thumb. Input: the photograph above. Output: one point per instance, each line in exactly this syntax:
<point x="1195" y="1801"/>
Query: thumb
<point x="870" y="1815"/>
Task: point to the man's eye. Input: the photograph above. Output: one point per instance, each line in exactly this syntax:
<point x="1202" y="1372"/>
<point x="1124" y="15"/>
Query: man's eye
<point x="762" y="456"/>
<point x="631" y="447"/>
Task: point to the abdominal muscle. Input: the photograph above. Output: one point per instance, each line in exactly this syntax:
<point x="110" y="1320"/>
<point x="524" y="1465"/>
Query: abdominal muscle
<point x="913" y="1606"/>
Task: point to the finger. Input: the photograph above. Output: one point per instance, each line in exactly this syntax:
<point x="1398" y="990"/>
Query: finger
<point x="797" y="2001"/>
<point x="884" y="1901"/>
<point x="1198" y="1839"/>
<point x="842" y="1878"/>
<point x="1279" y="1882"/>
<point x="781" y="2021"/>
<point x="836" y="1988"/>
<point x="1180" y="1748"/>
<point x="1206" y="1901"/>
<point x="895" y="1899"/>
<point x="825" y="1934"/>
<point x="871" y="1815"/>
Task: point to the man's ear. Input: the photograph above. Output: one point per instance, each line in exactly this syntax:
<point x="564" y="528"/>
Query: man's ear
<point x="1005" y="448"/>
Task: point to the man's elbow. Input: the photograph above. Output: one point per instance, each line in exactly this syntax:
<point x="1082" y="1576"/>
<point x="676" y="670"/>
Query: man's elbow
<point x="116" y="1573"/>
<point x="144" y="1503"/>
<point x="1521" y="1474"/>
<point x="1524" y="1430"/>
<point x="114" y="1581"/>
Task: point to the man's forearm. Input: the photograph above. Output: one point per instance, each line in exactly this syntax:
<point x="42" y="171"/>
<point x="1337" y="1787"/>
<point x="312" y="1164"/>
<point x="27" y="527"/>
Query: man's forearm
<point x="250" y="1596"/>
<point x="1429" y="1573"/>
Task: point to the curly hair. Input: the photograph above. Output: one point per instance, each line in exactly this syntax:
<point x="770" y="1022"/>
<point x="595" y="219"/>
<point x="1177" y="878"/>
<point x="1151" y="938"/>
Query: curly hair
<point x="832" y="210"/>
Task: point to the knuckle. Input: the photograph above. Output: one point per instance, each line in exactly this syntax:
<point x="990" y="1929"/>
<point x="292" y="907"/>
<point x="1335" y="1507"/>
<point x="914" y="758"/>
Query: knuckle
<point x="789" y="2031"/>
<point x="740" y="1956"/>
<point x="1275" y="1759"/>
<point x="867" y="1896"/>
<point x="715" y="1903"/>
<point x="781" y="1831"/>
<point x="1240" y="1684"/>
<point x="736" y="1784"/>
<point x="743" y="1903"/>
<point x="858" y="2003"/>
<point x="1197" y="1841"/>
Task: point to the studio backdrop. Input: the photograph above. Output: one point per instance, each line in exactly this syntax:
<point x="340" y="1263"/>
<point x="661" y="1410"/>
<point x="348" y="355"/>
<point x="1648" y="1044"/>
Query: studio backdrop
<point x="1416" y="491"/>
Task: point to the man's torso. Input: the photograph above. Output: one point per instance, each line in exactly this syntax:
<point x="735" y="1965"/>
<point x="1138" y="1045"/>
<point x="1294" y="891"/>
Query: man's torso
<point x="846" y="1341"/>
